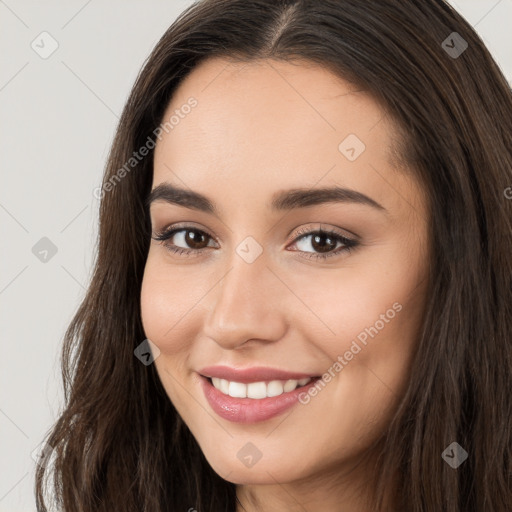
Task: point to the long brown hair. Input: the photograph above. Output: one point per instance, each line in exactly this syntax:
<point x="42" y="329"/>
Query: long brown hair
<point x="119" y="443"/>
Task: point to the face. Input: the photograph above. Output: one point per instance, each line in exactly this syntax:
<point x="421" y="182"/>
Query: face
<point x="319" y="296"/>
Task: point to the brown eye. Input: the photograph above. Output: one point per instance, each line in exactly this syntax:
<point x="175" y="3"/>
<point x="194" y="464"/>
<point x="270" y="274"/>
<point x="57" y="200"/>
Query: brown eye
<point x="184" y="240"/>
<point x="323" y="243"/>
<point x="195" y="239"/>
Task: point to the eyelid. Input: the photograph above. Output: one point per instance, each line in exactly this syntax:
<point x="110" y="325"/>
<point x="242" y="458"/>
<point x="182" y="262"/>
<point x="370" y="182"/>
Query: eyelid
<point x="292" y="236"/>
<point x="308" y="229"/>
<point x="183" y="225"/>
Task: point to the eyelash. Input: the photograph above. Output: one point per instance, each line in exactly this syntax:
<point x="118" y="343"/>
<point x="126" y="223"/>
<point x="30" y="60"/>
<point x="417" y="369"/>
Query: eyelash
<point x="349" y="244"/>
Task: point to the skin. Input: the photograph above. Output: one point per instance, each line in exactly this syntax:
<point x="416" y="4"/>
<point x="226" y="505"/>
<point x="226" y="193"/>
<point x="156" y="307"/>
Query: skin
<point x="259" y="128"/>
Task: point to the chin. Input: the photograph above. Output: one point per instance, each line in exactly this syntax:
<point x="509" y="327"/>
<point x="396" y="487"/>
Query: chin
<point x="261" y="472"/>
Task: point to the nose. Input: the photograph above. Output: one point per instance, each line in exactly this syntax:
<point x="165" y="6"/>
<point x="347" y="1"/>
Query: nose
<point x="246" y="305"/>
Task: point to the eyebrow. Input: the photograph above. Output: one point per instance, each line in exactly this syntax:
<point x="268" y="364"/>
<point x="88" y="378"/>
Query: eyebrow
<point x="281" y="201"/>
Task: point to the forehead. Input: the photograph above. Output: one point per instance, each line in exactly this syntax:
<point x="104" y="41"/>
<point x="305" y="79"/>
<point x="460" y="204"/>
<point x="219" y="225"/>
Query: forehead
<point x="264" y="125"/>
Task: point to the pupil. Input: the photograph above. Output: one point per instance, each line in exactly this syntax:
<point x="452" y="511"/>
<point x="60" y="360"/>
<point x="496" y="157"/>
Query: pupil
<point x="192" y="239"/>
<point x="323" y="247"/>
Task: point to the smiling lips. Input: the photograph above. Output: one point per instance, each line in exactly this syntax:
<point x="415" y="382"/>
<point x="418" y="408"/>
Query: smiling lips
<point x="257" y="390"/>
<point x="252" y="394"/>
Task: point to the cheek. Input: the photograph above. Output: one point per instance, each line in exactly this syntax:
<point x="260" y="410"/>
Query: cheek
<point x="167" y="306"/>
<point x="379" y="296"/>
<point x="375" y="314"/>
<point x="166" y="310"/>
<point x="369" y="329"/>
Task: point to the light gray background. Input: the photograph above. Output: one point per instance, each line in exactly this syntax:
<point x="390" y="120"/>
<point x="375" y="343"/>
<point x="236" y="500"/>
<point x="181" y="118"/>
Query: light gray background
<point x="58" y="119"/>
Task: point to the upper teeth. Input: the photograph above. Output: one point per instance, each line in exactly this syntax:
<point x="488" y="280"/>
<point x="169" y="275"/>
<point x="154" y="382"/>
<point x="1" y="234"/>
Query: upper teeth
<point x="257" y="389"/>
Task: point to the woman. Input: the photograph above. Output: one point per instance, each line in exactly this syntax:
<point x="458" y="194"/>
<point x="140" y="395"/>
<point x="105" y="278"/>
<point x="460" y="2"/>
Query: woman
<point x="302" y="294"/>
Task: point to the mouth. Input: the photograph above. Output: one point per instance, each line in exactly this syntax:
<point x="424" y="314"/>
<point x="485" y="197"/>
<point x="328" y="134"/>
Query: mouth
<point x="253" y="402"/>
<point x="258" y="390"/>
